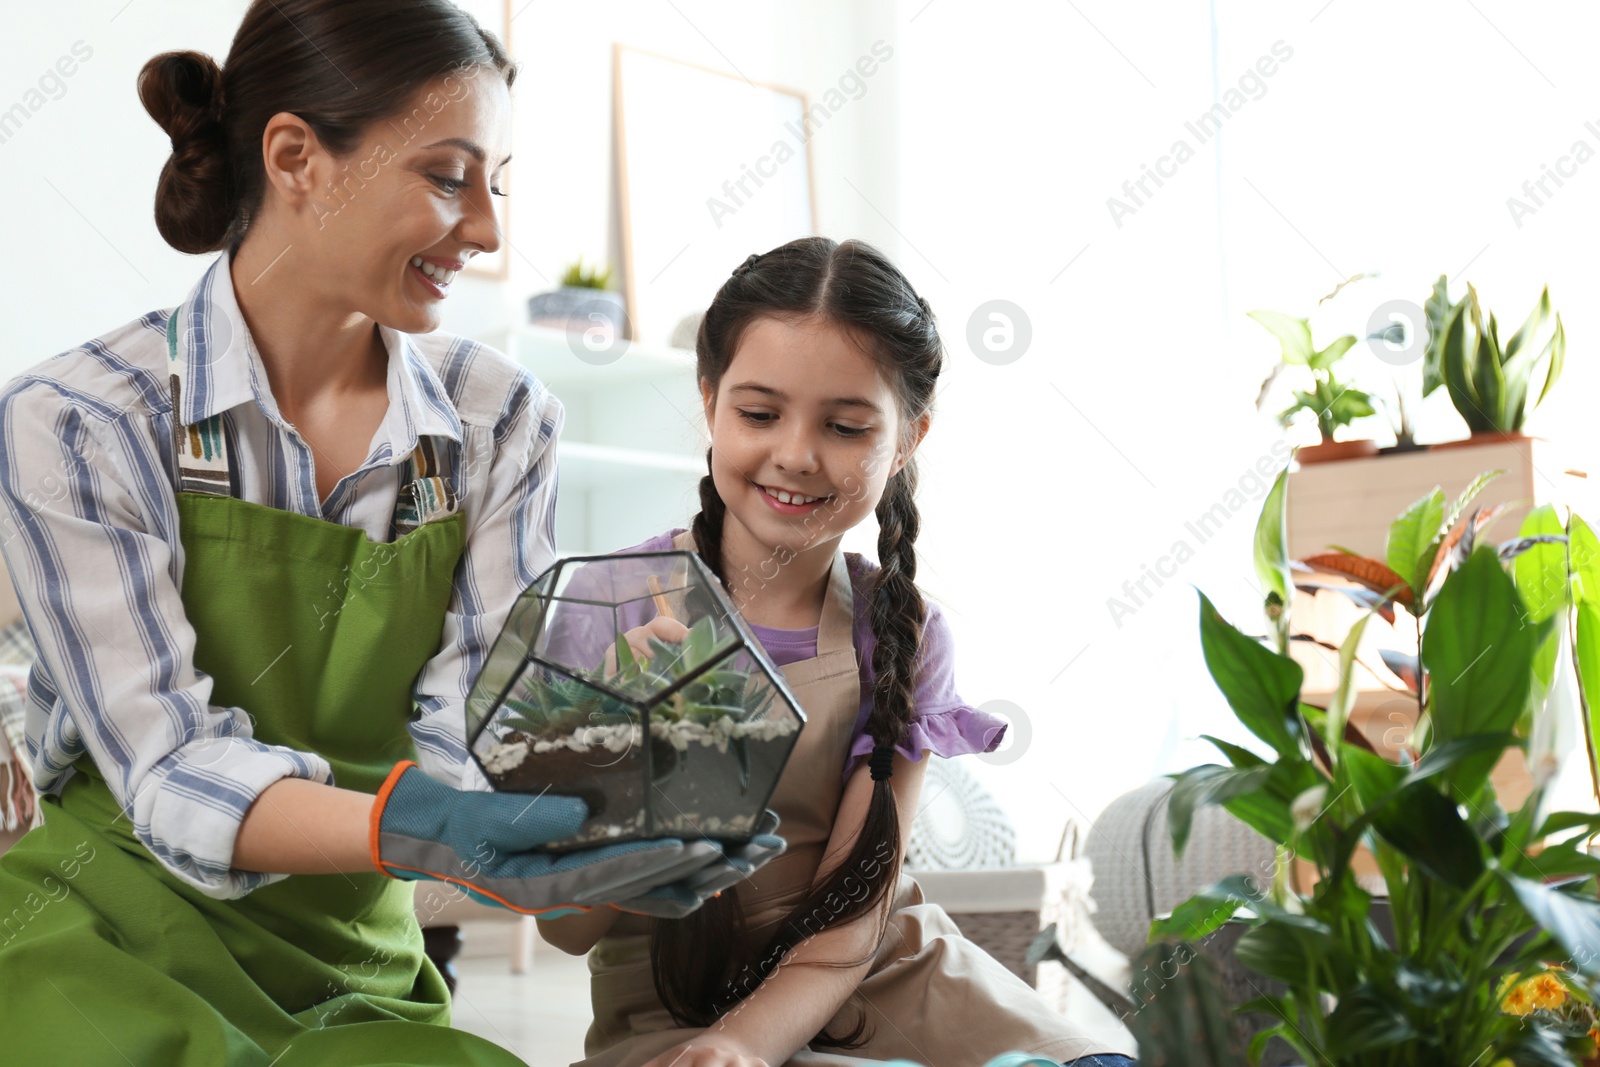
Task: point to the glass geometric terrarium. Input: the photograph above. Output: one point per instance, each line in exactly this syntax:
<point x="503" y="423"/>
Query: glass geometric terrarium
<point x="675" y="739"/>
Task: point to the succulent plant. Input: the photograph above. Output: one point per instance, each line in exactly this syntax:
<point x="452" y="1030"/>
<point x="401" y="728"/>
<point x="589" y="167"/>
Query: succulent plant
<point x="579" y="276"/>
<point x="559" y="706"/>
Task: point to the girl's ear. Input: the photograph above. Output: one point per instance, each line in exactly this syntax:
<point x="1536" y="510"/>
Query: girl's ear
<point x="918" y="430"/>
<point x="708" y="399"/>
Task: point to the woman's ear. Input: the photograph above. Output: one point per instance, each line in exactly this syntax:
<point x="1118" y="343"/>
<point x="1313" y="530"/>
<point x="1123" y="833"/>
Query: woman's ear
<point x="917" y="431"/>
<point x="296" y="163"/>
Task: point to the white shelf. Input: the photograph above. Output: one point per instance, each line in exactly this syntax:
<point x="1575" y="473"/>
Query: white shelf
<point x="590" y="466"/>
<point x="628" y="467"/>
<point x="554" y="355"/>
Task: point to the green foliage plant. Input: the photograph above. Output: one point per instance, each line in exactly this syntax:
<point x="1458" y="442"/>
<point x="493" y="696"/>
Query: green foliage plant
<point x="1332" y="403"/>
<point x="1473" y="895"/>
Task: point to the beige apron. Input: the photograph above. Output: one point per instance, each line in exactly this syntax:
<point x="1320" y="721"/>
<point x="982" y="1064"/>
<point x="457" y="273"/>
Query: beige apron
<point x="931" y="996"/>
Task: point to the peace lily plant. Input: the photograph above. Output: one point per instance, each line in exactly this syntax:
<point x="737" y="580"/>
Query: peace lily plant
<point x="1484" y="945"/>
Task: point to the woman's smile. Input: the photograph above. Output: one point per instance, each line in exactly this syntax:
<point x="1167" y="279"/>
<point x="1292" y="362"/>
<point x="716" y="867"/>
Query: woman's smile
<point x="436" y="275"/>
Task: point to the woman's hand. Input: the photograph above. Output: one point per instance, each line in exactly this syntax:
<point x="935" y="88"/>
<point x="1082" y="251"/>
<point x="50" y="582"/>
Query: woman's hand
<point x="708" y="1050"/>
<point x="661" y="628"/>
<point x="488" y="844"/>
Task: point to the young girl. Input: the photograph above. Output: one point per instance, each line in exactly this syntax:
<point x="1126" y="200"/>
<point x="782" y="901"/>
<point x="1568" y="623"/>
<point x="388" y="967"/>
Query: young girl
<point x="817" y="364"/>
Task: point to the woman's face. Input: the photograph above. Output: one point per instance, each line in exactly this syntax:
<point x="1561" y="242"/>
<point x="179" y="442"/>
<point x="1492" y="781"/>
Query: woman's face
<point x="802" y="409"/>
<point x="417" y="197"/>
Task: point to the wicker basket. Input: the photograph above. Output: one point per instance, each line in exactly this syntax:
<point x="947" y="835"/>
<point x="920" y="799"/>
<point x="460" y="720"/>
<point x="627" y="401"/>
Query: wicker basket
<point x="963" y="855"/>
<point x="1005" y="935"/>
<point x="1002" y="909"/>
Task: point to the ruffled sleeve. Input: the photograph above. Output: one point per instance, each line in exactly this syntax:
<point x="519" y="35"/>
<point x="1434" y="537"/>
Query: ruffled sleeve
<point x="944" y="724"/>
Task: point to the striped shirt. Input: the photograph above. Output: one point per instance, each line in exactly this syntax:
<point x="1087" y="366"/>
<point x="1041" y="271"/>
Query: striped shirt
<point x="89" y="531"/>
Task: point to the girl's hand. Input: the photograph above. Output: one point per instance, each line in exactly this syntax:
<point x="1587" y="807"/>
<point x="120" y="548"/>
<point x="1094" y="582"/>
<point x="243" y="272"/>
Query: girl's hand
<point x="661" y="628"/>
<point x="22" y="799"/>
<point x="706" y="1051"/>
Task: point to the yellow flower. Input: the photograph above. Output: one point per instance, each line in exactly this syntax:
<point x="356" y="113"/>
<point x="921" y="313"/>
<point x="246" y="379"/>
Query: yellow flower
<point x="1516" y="1002"/>
<point x="1549" y="992"/>
<point x="1542" y="992"/>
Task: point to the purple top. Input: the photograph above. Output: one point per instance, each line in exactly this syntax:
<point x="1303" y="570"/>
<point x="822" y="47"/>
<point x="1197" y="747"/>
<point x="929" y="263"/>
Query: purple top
<point x="787" y="646"/>
<point x="944" y="724"/>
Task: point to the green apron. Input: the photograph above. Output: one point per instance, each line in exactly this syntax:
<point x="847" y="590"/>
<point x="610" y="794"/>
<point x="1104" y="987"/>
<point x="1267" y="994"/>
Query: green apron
<point x="319" y="633"/>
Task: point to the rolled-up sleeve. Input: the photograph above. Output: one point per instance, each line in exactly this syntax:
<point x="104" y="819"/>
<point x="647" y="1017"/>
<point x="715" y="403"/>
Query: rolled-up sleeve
<point x="116" y="673"/>
<point x="511" y="541"/>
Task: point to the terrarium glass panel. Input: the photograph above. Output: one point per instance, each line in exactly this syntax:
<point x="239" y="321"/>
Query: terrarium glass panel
<point x="659" y="738"/>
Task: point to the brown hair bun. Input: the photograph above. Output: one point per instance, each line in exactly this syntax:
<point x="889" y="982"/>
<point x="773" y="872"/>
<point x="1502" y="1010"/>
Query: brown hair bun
<point x="182" y="91"/>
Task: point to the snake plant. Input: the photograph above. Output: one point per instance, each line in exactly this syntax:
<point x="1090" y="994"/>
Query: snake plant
<point x="1491" y="385"/>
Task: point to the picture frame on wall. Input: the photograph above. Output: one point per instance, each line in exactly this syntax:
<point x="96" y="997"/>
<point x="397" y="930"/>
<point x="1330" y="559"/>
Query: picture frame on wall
<point x="711" y="167"/>
<point x="495" y="16"/>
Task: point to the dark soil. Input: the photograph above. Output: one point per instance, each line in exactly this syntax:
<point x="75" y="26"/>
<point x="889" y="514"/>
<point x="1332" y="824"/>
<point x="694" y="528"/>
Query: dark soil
<point x="695" y="793"/>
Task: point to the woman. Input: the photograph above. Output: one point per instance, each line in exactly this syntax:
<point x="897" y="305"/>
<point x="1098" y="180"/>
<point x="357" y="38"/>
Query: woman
<point x="263" y="541"/>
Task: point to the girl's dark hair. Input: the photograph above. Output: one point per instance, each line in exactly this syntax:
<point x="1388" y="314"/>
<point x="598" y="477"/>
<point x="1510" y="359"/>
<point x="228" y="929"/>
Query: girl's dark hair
<point x="702" y="964"/>
<point x="340" y="65"/>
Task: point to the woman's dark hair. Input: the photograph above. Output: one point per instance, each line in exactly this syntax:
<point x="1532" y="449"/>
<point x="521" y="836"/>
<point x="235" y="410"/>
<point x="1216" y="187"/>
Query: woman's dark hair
<point x="340" y="65"/>
<point x="696" y="961"/>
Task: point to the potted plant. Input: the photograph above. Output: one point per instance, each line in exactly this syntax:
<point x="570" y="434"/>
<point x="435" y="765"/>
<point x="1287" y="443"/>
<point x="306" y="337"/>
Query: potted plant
<point x="1490" y="385"/>
<point x="585" y="302"/>
<point x="1397" y="336"/>
<point x="1477" y="900"/>
<point x="669" y="739"/>
<point x="1345" y="504"/>
<point x="1331" y="403"/>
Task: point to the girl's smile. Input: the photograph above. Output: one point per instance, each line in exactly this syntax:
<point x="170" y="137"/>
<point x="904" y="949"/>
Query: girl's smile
<point x="789" y="502"/>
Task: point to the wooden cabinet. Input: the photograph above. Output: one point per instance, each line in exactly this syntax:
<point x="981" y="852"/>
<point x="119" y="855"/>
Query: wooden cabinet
<point x="1351" y="504"/>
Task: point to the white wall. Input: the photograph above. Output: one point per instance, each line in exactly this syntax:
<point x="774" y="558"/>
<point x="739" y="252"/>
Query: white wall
<point x="1053" y="478"/>
<point x="1388" y="141"/>
<point x="78" y="174"/>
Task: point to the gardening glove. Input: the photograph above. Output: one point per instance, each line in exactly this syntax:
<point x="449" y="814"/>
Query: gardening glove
<point x="484" y="842"/>
<point x="738" y="862"/>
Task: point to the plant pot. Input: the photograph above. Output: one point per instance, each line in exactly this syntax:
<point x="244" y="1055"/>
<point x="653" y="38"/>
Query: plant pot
<point x="1487" y="437"/>
<point x="1329" y="451"/>
<point x="687" y="741"/>
<point x="1400" y="450"/>
<point x="1238" y="985"/>
<point x="579" y="309"/>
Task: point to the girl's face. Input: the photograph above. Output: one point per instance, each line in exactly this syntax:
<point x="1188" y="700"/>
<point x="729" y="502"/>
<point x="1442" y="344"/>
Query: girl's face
<point x="802" y="412"/>
<point x="422" y="185"/>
